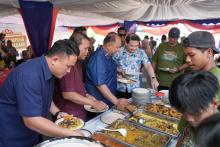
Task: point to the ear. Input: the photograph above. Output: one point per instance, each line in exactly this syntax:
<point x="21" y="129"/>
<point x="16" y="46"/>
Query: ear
<point x="215" y="103"/>
<point x="54" y="59"/>
<point x="210" y="51"/>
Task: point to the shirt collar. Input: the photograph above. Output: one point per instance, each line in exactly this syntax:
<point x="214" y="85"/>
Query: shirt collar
<point x="47" y="73"/>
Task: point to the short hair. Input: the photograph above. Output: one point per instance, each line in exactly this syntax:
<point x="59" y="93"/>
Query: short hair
<point x="146" y="37"/>
<point x="78" y="37"/>
<point x="132" y="37"/>
<point x="110" y="38"/>
<point x="121" y="29"/>
<point x="64" y="47"/>
<point x="163" y="37"/>
<point x="193" y="92"/>
<point x="79" y="29"/>
<point x="209" y="132"/>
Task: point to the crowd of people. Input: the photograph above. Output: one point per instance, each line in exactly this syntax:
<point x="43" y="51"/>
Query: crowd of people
<point x="73" y="74"/>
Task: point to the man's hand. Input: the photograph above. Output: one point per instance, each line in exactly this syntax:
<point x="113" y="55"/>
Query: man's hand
<point x="154" y="83"/>
<point x="90" y="97"/>
<point x="121" y="103"/>
<point x="99" y="105"/>
<point x="61" y="115"/>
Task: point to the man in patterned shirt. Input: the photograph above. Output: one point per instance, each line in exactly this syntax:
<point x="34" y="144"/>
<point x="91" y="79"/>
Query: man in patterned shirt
<point x="129" y="60"/>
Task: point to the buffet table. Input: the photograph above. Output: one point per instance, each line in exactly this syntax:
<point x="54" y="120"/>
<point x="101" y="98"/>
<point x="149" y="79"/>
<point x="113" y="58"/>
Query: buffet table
<point x="92" y="126"/>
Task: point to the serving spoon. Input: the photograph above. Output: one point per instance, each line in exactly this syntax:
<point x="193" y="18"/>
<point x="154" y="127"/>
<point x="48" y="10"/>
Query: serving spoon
<point x="122" y="131"/>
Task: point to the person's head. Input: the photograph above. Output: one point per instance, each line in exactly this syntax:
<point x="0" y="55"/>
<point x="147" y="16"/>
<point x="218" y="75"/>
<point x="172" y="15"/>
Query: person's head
<point x="25" y="55"/>
<point x="163" y="38"/>
<point x="122" y="32"/>
<point x="80" y="30"/>
<point x="2" y="36"/>
<point x="83" y="44"/>
<point x="194" y="95"/>
<point x="146" y="37"/>
<point x="173" y="36"/>
<point x="9" y="43"/>
<point x="209" y="132"/>
<point x="112" y="42"/>
<point x="62" y="56"/>
<point x="198" y="47"/>
<point x="132" y="42"/>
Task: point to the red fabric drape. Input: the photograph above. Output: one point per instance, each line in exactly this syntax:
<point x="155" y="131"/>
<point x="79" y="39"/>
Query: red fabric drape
<point x="191" y="26"/>
<point x="104" y="30"/>
<point x="54" y="17"/>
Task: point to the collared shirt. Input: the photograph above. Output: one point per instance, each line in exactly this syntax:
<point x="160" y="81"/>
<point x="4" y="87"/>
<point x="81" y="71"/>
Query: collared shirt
<point x="101" y="69"/>
<point x="130" y="62"/>
<point x="71" y="82"/>
<point x="27" y="92"/>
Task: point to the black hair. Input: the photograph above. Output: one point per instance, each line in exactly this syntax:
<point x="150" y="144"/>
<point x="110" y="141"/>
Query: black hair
<point x="122" y="29"/>
<point x="146" y="37"/>
<point x="163" y="37"/>
<point x="64" y="47"/>
<point x="110" y="38"/>
<point x="79" y="29"/>
<point x="209" y="132"/>
<point x="78" y="37"/>
<point x="132" y="37"/>
<point x="193" y="92"/>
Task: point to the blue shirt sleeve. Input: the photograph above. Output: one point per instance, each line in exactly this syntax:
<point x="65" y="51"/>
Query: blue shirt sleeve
<point x="29" y="96"/>
<point x="99" y="70"/>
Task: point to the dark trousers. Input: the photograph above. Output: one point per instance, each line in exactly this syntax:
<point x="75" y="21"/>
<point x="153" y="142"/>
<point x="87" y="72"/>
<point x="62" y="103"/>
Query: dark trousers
<point x="126" y="94"/>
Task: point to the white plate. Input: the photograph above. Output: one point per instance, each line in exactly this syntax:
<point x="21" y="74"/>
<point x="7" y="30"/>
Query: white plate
<point x="76" y="128"/>
<point x="110" y="117"/>
<point x="164" y="69"/>
<point x="90" y="109"/>
<point x="133" y="73"/>
<point x="126" y="81"/>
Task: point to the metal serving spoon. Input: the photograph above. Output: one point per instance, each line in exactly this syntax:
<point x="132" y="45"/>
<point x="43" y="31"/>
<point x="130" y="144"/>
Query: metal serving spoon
<point x="122" y="131"/>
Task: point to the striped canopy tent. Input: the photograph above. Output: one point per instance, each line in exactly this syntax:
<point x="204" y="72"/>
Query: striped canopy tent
<point x="39" y="16"/>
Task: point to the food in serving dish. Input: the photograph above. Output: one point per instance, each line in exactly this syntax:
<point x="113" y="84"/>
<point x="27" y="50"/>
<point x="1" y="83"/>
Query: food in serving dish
<point x="70" y="122"/>
<point x="107" y="141"/>
<point x="158" y="124"/>
<point x="137" y="136"/>
<point x="161" y="109"/>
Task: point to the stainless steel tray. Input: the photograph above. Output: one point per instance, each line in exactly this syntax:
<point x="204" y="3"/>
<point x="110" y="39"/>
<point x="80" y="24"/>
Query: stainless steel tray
<point x="124" y="144"/>
<point x="156" y="129"/>
<point x="159" y="114"/>
<point x="142" y="128"/>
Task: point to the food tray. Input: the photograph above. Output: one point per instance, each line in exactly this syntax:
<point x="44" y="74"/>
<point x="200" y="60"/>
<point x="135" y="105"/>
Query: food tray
<point x="138" y="135"/>
<point x="158" y="124"/>
<point x="108" y="140"/>
<point x="162" y="111"/>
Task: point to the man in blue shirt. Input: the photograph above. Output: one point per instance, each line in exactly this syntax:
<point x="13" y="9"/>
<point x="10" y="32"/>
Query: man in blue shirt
<point x="101" y="72"/>
<point x="26" y="97"/>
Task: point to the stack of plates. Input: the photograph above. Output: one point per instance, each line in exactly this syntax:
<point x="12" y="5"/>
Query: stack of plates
<point x="141" y="96"/>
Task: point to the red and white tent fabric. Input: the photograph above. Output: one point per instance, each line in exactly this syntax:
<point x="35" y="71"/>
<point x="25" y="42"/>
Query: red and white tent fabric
<point x="105" y="12"/>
